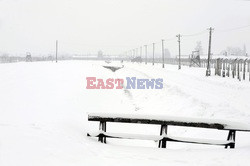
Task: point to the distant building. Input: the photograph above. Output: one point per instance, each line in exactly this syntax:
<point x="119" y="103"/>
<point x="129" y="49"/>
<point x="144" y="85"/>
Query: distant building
<point x="28" y="57"/>
<point x="136" y="59"/>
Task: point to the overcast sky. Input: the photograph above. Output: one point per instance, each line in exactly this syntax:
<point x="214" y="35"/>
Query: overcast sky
<point x="115" y="26"/>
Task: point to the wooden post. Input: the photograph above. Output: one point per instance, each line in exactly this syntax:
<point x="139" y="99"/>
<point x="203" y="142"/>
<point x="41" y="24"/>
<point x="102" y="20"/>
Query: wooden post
<point x="219" y="67"/>
<point x="224" y="66"/>
<point x="244" y="69"/>
<point x="216" y="66"/>
<point x="159" y="145"/>
<point x="163" y="142"/>
<point x="228" y="69"/>
<point x="208" y="71"/>
<point x="179" y="42"/>
<point x="238" y="70"/>
<point x="231" y="137"/>
<point x="102" y="127"/>
<point x="234" y="67"/>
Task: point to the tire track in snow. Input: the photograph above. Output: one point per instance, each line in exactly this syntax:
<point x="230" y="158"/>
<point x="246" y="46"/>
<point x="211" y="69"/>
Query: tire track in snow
<point x="129" y="94"/>
<point x="174" y="89"/>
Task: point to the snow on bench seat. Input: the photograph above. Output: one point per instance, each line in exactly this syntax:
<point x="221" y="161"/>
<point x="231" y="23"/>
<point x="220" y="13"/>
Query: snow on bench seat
<point x="159" y="138"/>
<point x="169" y="120"/>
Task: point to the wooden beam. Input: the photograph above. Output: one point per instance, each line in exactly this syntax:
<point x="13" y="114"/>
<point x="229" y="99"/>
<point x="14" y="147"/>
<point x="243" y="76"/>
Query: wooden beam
<point x="152" y="121"/>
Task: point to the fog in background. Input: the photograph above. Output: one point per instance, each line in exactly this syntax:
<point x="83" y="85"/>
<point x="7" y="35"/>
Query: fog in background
<point x="116" y="26"/>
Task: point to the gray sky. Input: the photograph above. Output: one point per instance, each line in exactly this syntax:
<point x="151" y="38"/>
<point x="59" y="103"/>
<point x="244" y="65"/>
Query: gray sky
<point x="115" y="26"/>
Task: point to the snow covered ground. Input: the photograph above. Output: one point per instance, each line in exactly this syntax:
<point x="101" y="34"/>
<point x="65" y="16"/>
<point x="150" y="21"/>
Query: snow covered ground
<point x="44" y="106"/>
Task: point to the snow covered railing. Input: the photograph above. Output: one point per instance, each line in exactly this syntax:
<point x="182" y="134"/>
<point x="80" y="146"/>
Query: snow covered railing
<point x="166" y="121"/>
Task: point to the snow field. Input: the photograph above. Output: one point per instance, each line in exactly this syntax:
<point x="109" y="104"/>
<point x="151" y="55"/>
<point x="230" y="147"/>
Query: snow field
<point x="44" y="109"/>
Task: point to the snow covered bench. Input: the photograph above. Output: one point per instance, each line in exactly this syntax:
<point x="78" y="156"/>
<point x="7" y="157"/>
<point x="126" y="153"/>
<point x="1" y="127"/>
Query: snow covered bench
<point x="166" y="121"/>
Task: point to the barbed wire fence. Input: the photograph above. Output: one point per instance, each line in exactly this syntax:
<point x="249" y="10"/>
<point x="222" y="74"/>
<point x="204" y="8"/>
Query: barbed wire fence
<point x="226" y="66"/>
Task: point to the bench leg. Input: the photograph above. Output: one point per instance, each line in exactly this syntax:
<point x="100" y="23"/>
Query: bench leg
<point x="102" y="127"/>
<point x="231" y="136"/>
<point x="104" y="138"/>
<point x="159" y="145"/>
<point x="163" y="142"/>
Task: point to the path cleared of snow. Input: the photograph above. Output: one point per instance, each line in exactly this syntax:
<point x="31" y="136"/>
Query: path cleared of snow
<point x="44" y="106"/>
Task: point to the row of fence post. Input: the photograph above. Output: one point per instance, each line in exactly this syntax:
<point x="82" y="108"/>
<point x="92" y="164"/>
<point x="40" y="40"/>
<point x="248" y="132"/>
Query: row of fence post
<point x="236" y="66"/>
